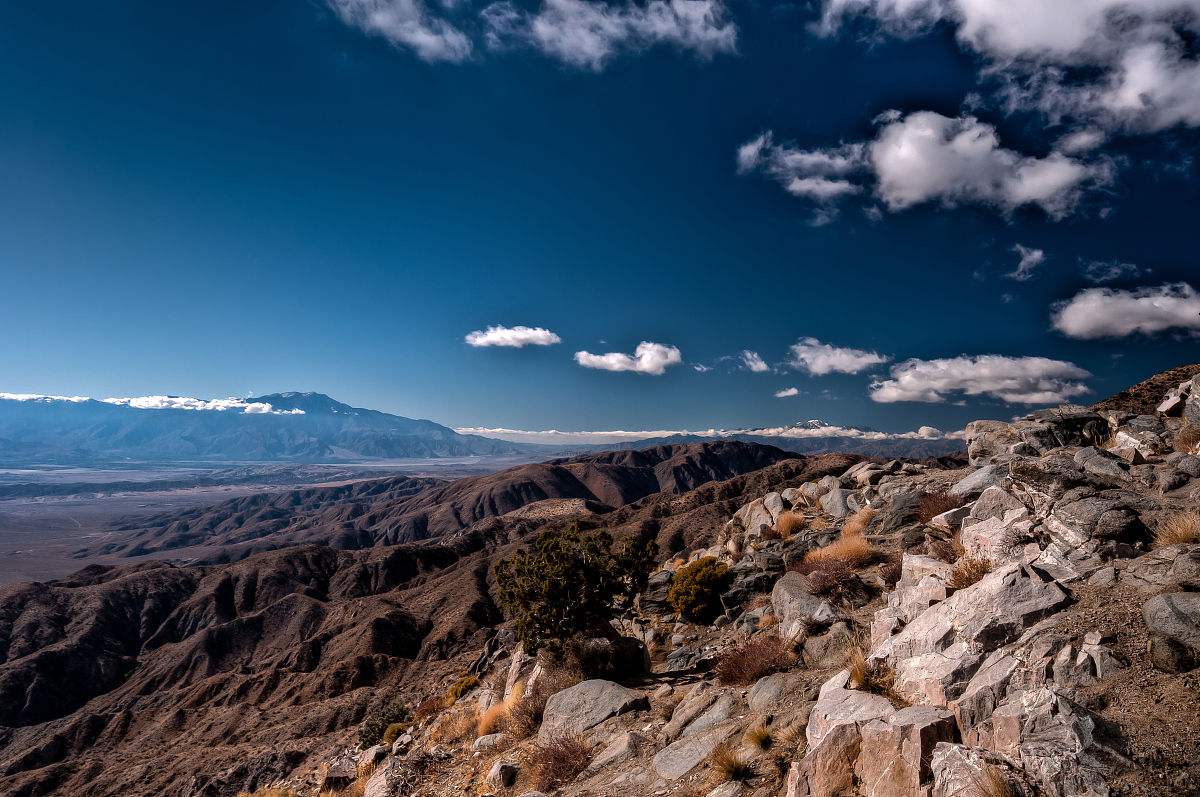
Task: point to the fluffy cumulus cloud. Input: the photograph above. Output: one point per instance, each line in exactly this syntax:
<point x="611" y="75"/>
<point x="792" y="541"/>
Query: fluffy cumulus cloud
<point x="408" y="24"/>
<point x="1109" y="313"/>
<point x="41" y="398"/>
<point x="1015" y="380"/>
<point x="1117" y="64"/>
<point x="787" y="392"/>
<point x="927" y="157"/>
<point x="648" y="358"/>
<point x="588" y="34"/>
<point x="1028" y="259"/>
<point x="754" y="363"/>
<point x="512" y="337"/>
<point x="806" y="430"/>
<point x="812" y="356"/>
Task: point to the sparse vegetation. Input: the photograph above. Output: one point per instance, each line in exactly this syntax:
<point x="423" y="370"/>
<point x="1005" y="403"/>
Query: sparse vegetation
<point x="851" y="549"/>
<point x="1177" y="528"/>
<point x="746" y="663"/>
<point x="269" y="791"/>
<point x="696" y="588"/>
<point x="570" y="583"/>
<point x="759" y="735"/>
<point x="890" y="571"/>
<point x="967" y="571"/>
<point x="856" y="525"/>
<point x="824" y="576"/>
<point x="788" y="524"/>
<point x="393" y="732"/>
<point x="559" y="761"/>
<point x="727" y="764"/>
<point x="933" y="504"/>
<point x="876" y="676"/>
<point x="377" y="721"/>
<point x="453" y="727"/>
<point x="460" y="688"/>
<point x="1187" y="438"/>
<point x="524" y="712"/>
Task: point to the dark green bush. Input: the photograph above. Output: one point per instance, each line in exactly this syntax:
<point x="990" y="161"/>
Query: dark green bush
<point x="695" y="591"/>
<point x="377" y="721"/>
<point x="570" y="583"/>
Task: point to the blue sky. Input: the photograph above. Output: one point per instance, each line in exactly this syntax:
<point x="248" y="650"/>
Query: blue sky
<point x="225" y="199"/>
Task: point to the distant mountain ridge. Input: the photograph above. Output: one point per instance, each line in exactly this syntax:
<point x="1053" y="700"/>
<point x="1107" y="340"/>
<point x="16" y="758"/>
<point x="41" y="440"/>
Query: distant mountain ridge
<point x="296" y="427"/>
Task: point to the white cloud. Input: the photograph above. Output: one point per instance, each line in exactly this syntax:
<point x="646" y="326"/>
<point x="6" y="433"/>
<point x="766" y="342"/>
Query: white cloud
<point x="1015" y="380"/>
<point x="752" y="362"/>
<point x="701" y="368"/>
<point x="1028" y="260"/>
<point x="787" y="392"/>
<point x="1109" y="270"/>
<point x="186" y="403"/>
<point x="927" y="157"/>
<point x="406" y="23"/>
<point x="817" y="358"/>
<point x="1109" y="313"/>
<point x="1123" y="64"/>
<point x="648" y="358"/>
<point x="806" y="430"/>
<point x="587" y="34"/>
<point x="515" y="337"/>
<point x="40" y="398"/>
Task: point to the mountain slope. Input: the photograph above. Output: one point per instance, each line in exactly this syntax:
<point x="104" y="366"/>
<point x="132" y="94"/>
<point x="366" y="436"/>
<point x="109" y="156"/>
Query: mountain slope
<point x="300" y="427"/>
<point x="402" y="509"/>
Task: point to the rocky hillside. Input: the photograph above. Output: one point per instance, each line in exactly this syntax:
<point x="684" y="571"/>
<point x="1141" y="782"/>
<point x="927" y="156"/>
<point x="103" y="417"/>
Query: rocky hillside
<point x="155" y="679"/>
<point x="1026" y="625"/>
<point x="403" y="509"/>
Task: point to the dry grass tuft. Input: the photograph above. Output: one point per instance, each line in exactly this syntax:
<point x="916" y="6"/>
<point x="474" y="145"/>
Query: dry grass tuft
<point x="967" y="571"/>
<point x="1187" y="438"/>
<point x="856" y="525"/>
<point x="728" y="765"/>
<point x="268" y="791"/>
<point x="525" y="710"/>
<point x="819" y="523"/>
<point x="824" y="576"/>
<point x="460" y="688"/>
<point x="453" y="727"/>
<point x="933" y="504"/>
<point x="788" y="524"/>
<point x="993" y="783"/>
<point x="428" y="708"/>
<point x="853" y="550"/>
<point x="559" y="761"/>
<point x="759" y="735"/>
<point x="1178" y="528"/>
<point x="746" y="663"/>
<point x="876" y="677"/>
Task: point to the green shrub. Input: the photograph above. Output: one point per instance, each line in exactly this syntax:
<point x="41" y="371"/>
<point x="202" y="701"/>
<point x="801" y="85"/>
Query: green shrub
<point x="570" y="583"/>
<point x="393" y="731"/>
<point x="376" y="722"/>
<point x="695" y="591"/>
<point x="460" y="688"/>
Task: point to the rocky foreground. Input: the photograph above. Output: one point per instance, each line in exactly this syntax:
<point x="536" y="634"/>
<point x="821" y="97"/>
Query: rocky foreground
<point x="1028" y="625"/>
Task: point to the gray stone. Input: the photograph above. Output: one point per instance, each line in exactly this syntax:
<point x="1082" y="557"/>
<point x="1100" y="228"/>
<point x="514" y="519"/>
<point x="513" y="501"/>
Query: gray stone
<point x="833" y="503"/>
<point x="895" y="755"/>
<point x="796" y="607"/>
<point x="1173" y="621"/>
<point x="622" y="748"/>
<point x="770" y="690"/>
<point x="719" y="711"/>
<point x="586" y="705"/>
<point x="502" y="775"/>
<point x="976" y="482"/>
<point x="994" y="502"/>
<point x="1165" y="568"/>
<point x="1099" y="462"/>
<point x="372" y="756"/>
<point x="681" y="757"/>
<point x="487" y="742"/>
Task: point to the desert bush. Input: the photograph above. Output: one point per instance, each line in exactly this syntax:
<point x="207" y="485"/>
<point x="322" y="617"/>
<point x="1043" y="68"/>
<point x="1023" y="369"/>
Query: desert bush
<point x="824" y="576"/>
<point x="570" y="583"/>
<point x="856" y="525"/>
<point x="268" y="791"/>
<point x="788" y="523"/>
<point x="746" y="663"/>
<point x="759" y="735"/>
<point x="525" y="709"/>
<point x="853" y="550"/>
<point x="727" y="764"/>
<point x="695" y="591"/>
<point x="890" y="571"/>
<point x="428" y="707"/>
<point x="933" y="504"/>
<point x="453" y="727"/>
<point x="377" y="721"/>
<point x="460" y="688"/>
<point x="967" y="571"/>
<point x="558" y="761"/>
<point x="393" y="732"/>
<point x="877" y="676"/>
<point x="1187" y="438"/>
<point x="1177" y="528"/>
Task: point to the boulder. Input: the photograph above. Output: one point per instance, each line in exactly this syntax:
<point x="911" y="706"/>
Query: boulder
<point x="487" y="742"/>
<point x="835" y="738"/>
<point x="834" y="503"/>
<point x="796" y="607"/>
<point x="998" y="539"/>
<point x="978" y="480"/>
<point x="502" y="775"/>
<point x="622" y="747"/>
<point x="1175" y="566"/>
<point x="586" y="705"/>
<point x="994" y="502"/>
<point x="717" y="712"/>
<point x="1173" y="621"/>
<point x="681" y="756"/>
<point x="372" y="756"/>
<point x="895" y="754"/>
<point x="960" y="771"/>
<point x="770" y="690"/>
<point x="951" y="519"/>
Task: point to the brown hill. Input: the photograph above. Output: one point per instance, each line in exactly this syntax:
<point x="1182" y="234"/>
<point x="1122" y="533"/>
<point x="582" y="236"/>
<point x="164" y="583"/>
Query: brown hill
<point x="401" y="510"/>
<point x="156" y="679"/>
<point x="1144" y="397"/>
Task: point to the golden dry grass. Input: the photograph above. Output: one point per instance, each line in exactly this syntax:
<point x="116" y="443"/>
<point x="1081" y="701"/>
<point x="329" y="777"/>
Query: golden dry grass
<point x="854" y="550"/>
<point x="877" y="677"/>
<point x="759" y="735"/>
<point x="727" y="764"/>
<point x="453" y="727"/>
<point x="746" y="663"/>
<point x="1187" y="438"/>
<point x="819" y="523"/>
<point x="558" y="761"/>
<point x="856" y="525"/>
<point x="1177" y="528"/>
<point x="271" y="791"/>
<point x="967" y="571"/>
<point x="789" y="523"/>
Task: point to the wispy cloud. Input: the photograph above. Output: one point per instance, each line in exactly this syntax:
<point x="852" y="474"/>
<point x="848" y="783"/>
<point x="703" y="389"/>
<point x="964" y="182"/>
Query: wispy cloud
<point x="752" y="362"/>
<point x="408" y="24"/>
<point x="1014" y="380"/>
<point x="807" y="430"/>
<point x="1109" y="313"/>
<point x="648" y="358"/>
<point x="588" y="34"/>
<point x="514" y="337"/>
<point x="787" y="392"/>
<point x="1098" y="271"/>
<point x="817" y="358"/>
<point x="1028" y="261"/>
